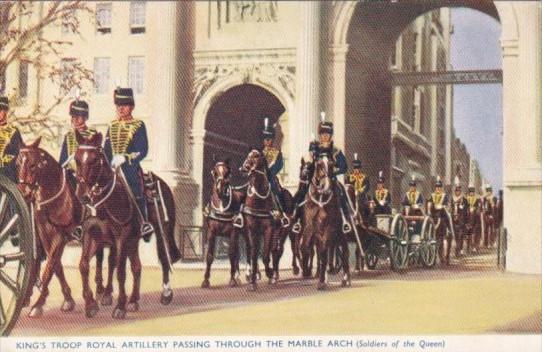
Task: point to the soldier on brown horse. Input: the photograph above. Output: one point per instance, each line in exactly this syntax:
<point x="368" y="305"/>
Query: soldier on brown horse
<point x="223" y="205"/>
<point x="459" y="209"/>
<point x="474" y="222"/>
<point x="489" y="204"/>
<point x="322" y="221"/>
<point x="43" y="183"/>
<point x="437" y="208"/>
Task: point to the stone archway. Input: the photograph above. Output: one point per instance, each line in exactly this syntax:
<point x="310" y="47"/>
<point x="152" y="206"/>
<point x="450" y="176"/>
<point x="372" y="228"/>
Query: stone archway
<point x="521" y="41"/>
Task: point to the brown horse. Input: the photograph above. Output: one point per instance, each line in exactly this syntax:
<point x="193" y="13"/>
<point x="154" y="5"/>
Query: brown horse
<point x="257" y="211"/>
<point x="442" y="231"/>
<point x="43" y="183"/>
<point x="322" y="221"/>
<point x="283" y="234"/>
<point x="223" y="205"/>
<point x="474" y="225"/>
<point x="460" y="215"/>
<point x="490" y="214"/>
<point x="113" y="223"/>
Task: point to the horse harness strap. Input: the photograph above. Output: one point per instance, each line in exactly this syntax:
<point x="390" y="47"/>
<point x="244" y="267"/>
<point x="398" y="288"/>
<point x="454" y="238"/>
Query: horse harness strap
<point x="256" y="212"/>
<point x="320" y="202"/>
<point x="104" y="199"/>
<point x="47" y="201"/>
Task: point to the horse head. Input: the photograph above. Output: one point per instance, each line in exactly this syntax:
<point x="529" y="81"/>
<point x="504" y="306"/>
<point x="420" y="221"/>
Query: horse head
<point x="255" y="161"/>
<point x="92" y="165"/>
<point x="323" y="171"/>
<point x="34" y="166"/>
<point x="305" y="171"/>
<point x="221" y="174"/>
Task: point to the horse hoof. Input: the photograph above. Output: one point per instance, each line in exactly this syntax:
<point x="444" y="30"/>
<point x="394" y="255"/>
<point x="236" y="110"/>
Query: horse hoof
<point x="36" y="312"/>
<point x="119" y="313"/>
<point x="233" y="283"/>
<point x="247" y="277"/>
<point x="132" y="307"/>
<point x="321" y="286"/>
<point x="295" y="270"/>
<point x="107" y="300"/>
<point x="272" y="281"/>
<point x="252" y="287"/>
<point x="91" y="310"/>
<point x="166" y="297"/>
<point x="68" y="305"/>
<point x="346" y="283"/>
<point x="205" y="284"/>
<point x="258" y="276"/>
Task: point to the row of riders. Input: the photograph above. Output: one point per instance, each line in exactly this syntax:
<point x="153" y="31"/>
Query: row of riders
<point x="98" y="194"/>
<point x="324" y="213"/>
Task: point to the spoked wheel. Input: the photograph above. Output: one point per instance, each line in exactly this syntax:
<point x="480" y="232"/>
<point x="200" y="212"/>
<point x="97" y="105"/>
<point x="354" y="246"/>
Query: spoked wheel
<point x="17" y="250"/>
<point x="399" y="243"/>
<point x="429" y="243"/>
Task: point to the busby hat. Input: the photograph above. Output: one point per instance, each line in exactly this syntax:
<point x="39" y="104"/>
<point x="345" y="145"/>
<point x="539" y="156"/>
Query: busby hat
<point x="472" y="188"/>
<point x="356" y="164"/>
<point x="381" y="178"/>
<point x="325" y="126"/>
<point x="79" y="108"/>
<point x="489" y="188"/>
<point x="268" y="130"/>
<point x="4" y="103"/>
<point x="438" y="182"/>
<point x="124" y="96"/>
<point x="412" y="181"/>
<point x="457" y="184"/>
<point x="313" y="147"/>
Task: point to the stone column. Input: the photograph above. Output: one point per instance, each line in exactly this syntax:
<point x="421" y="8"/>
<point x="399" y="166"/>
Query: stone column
<point x="307" y="84"/>
<point x="522" y="124"/>
<point x="166" y="142"/>
<point x="336" y="93"/>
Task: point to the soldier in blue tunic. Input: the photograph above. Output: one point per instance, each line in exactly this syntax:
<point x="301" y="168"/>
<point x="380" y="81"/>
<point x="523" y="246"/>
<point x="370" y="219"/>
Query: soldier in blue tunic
<point x="382" y="197"/>
<point x="79" y="116"/>
<point x="10" y="142"/>
<point x="413" y="199"/>
<point x="126" y="146"/>
<point x="275" y="163"/>
<point x="360" y="182"/>
<point x="326" y="148"/>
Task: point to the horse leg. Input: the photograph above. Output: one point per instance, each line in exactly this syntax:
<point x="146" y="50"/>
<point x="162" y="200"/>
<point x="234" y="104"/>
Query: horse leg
<point x="120" y="309"/>
<point x="358" y="268"/>
<point x="98" y="275"/>
<point x="88" y="251"/>
<point x="346" y="280"/>
<point x="294" y="245"/>
<point x="167" y="293"/>
<point x="107" y="297"/>
<point x="211" y="241"/>
<point x="278" y="237"/>
<point x="69" y="304"/>
<point x="135" y="265"/>
<point x="331" y="260"/>
<point x="267" y="245"/>
<point x="34" y="281"/>
<point x="254" y="240"/>
<point x="323" y="250"/>
<point x="233" y="253"/>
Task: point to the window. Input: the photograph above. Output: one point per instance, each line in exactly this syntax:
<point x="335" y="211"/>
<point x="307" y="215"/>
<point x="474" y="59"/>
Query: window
<point x="101" y="75"/>
<point x="136" y="73"/>
<point x="103" y="18"/>
<point x="137" y="17"/>
<point x="23" y="79"/>
<point x="67" y="86"/>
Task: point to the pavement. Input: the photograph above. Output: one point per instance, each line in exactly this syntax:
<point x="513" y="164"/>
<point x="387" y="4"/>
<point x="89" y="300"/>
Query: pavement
<point x="471" y="296"/>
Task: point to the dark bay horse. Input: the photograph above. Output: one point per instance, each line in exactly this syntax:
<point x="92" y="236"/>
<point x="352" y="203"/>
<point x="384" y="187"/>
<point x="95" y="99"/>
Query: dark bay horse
<point x="259" y="222"/>
<point x="283" y="234"/>
<point x="43" y="183"/>
<point x="322" y="221"/>
<point x="460" y="216"/>
<point x="223" y="205"/>
<point x="443" y="231"/>
<point x="113" y="222"/>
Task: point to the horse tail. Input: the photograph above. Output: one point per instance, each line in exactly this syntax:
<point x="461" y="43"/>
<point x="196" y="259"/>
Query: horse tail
<point x="169" y="226"/>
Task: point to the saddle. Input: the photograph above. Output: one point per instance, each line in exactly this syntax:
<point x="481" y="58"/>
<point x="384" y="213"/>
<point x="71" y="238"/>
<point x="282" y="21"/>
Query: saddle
<point x="151" y="189"/>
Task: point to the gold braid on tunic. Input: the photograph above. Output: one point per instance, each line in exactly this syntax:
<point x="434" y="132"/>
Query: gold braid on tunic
<point x="121" y="134"/>
<point x="6" y="133"/>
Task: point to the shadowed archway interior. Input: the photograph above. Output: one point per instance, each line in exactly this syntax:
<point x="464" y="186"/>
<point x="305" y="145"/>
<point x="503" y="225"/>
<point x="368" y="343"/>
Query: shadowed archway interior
<point x="234" y="124"/>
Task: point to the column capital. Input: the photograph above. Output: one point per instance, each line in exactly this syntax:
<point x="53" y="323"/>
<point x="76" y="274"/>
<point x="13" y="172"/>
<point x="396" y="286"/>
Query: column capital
<point x="510" y="47"/>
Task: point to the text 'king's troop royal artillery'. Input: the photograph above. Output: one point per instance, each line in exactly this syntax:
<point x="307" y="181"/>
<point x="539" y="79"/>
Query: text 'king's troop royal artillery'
<point x="98" y="194"/>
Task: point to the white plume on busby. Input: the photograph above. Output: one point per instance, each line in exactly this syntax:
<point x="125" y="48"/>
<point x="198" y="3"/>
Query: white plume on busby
<point x="322" y="116"/>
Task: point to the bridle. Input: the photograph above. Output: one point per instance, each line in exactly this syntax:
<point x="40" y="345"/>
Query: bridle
<point x="220" y="208"/>
<point x="109" y="187"/>
<point x="322" y="193"/>
<point x="251" y="191"/>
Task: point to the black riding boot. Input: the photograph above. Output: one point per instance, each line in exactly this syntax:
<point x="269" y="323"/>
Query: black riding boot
<point x="346" y="228"/>
<point x="146" y="228"/>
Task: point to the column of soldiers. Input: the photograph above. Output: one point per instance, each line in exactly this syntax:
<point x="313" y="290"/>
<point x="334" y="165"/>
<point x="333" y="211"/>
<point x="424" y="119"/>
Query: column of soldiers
<point x="126" y="146"/>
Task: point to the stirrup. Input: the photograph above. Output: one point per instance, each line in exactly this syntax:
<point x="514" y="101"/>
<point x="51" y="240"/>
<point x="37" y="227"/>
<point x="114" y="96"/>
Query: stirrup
<point x="346" y="227"/>
<point x="297" y="227"/>
<point x="285" y="221"/>
<point x="77" y="233"/>
<point x="238" y="221"/>
<point x="146" y="231"/>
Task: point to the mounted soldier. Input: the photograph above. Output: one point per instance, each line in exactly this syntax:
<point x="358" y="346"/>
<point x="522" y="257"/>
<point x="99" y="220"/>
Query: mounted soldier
<point x="126" y="145"/>
<point x="10" y="141"/>
<point x="474" y="225"/>
<point x="326" y="148"/>
<point x="275" y="163"/>
<point x="489" y="203"/>
<point x="437" y="208"/>
<point x="413" y="200"/>
<point x="304" y="178"/>
<point x="79" y="112"/>
<point x="381" y="198"/>
<point x="360" y="182"/>
<point x="459" y="209"/>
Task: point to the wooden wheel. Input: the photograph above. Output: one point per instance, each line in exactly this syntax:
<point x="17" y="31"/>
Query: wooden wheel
<point x="428" y="248"/>
<point x="398" y="244"/>
<point x="372" y="259"/>
<point x="17" y="252"/>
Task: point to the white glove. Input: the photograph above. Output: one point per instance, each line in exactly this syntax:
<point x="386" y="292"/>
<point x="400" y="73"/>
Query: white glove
<point x="382" y="203"/>
<point x="118" y="160"/>
<point x="68" y="161"/>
